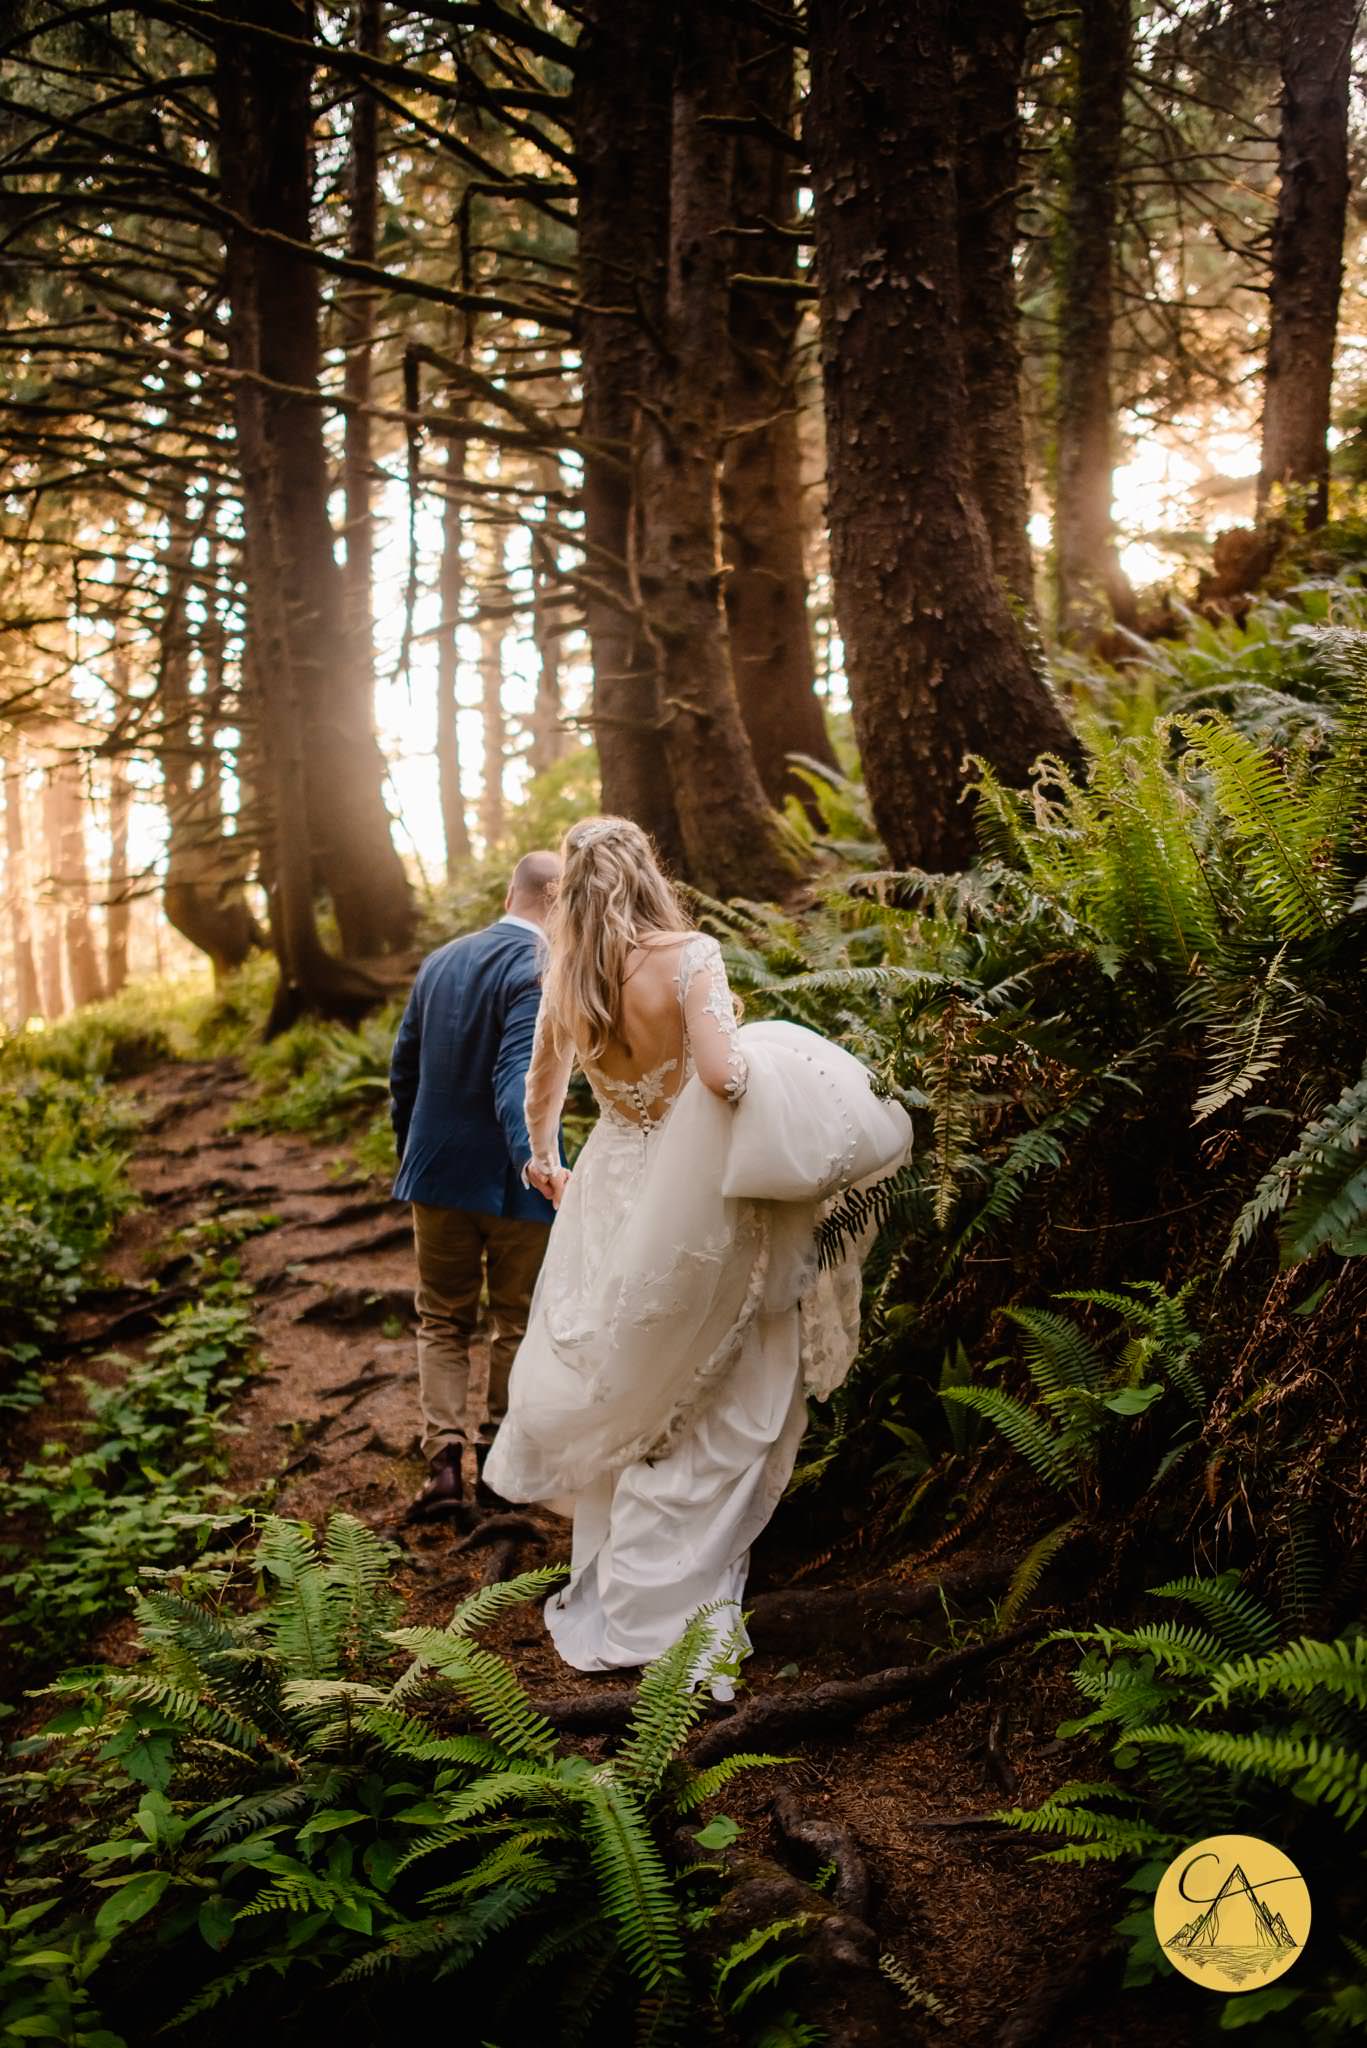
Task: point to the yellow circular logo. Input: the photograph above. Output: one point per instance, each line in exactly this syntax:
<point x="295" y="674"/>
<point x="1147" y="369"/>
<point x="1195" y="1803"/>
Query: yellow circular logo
<point x="1232" y="1913"/>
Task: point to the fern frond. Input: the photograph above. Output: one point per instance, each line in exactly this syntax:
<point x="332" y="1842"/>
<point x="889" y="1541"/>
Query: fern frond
<point x="1059" y="1355"/>
<point x="705" y="1785"/>
<point x="665" y="1708"/>
<point x="1322" y="1773"/>
<point x="1323" y="1180"/>
<point x="1032" y="1568"/>
<point x="635" y="1888"/>
<point x="1241" y="1621"/>
<point x="1297" y="1671"/>
<point x="1047" y="1455"/>
<point x="487" y="1685"/>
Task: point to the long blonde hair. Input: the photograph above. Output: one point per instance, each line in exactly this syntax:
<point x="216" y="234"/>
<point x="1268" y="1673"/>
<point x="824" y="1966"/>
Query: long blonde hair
<point x="610" y="896"/>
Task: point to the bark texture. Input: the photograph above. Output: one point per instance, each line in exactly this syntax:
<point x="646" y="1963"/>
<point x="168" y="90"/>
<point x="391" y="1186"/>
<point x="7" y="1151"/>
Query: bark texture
<point x="495" y="724"/>
<point x="27" y="997"/>
<point x="321" y="773"/>
<point x="623" y="68"/>
<point x="550" y="741"/>
<point x="1316" y="40"/>
<point x="203" y="895"/>
<point x="451" y="588"/>
<point x="762" y="496"/>
<point x="727" y="827"/>
<point x="358" y="326"/>
<point x="937" y="667"/>
<point x="71" y="875"/>
<point x="265" y="121"/>
<point x="990" y="38"/>
<point x="118" y="917"/>
<point x="1090" y="586"/>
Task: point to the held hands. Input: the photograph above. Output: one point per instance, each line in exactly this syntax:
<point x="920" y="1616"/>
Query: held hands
<point x="549" y="1179"/>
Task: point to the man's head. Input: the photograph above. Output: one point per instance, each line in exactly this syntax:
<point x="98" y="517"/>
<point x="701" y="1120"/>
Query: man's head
<point x="533" y="886"/>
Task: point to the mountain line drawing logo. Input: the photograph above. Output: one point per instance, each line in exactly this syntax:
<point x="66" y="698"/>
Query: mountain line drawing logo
<point x="1251" y="1914"/>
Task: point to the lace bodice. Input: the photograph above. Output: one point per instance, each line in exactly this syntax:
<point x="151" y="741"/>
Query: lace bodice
<point x="708" y="1045"/>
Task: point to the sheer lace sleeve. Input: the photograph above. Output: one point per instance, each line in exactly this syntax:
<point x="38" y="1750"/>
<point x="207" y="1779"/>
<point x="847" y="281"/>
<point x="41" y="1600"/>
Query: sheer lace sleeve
<point x="548" y="1077"/>
<point x="710" y="1019"/>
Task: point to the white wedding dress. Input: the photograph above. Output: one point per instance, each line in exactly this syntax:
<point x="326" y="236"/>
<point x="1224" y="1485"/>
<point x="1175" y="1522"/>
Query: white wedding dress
<point x="681" y="1315"/>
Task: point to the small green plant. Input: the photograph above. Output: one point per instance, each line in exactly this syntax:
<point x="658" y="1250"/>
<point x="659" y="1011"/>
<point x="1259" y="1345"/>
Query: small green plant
<point x="134" y="1480"/>
<point x="320" y="1795"/>
<point x="64" y="1148"/>
<point x="1086" y="1406"/>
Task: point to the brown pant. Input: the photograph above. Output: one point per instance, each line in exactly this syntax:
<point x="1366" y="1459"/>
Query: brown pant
<point x="454" y="1248"/>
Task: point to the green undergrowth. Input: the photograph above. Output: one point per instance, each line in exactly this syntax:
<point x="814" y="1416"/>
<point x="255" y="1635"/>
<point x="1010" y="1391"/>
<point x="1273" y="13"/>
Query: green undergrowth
<point x="64" y="1149"/>
<point x="1227" y="1720"/>
<point x="147" y="1024"/>
<point x="289" y="1813"/>
<point x="330" y="1082"/>
<point x="1131" y="1041"/>
<point x="130" y="1476"/>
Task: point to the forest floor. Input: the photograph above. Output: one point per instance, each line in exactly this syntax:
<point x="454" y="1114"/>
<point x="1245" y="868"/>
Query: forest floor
<point x="1015" y="1950"/>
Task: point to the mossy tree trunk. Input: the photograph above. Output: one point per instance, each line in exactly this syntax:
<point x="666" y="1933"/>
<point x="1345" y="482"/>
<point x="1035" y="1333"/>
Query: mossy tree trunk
<point x="1090" y="586"/>
<point x="623" y="70"/>
<point x="937" y="666"/>
<point x="727" y="827"/>
<point x="990" y="39"/>
<point x="1316" y="42"/>
<point x="762" y="495"/>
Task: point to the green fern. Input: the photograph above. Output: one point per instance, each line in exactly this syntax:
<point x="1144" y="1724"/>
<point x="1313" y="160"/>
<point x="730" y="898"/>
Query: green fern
<point x="1032" y="1567"/>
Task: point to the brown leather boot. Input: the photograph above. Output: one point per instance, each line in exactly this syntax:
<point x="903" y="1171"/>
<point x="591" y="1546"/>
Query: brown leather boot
<point x="442" y="1494"/>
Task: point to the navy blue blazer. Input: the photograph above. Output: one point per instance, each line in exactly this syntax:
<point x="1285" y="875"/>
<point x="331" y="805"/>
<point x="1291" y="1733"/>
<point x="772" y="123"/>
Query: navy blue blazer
<point x="458" y="1071"/>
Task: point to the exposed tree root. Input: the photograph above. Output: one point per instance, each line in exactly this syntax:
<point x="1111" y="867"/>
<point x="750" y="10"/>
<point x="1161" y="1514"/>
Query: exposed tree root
<point x="805" y="1611"/>
<point x="502" y="1529"/>
<point x="846" y="1993"/>
<point x="360" y="1305"/>
<point x="830" y="1842"/>
<point x="783" y="1716"/>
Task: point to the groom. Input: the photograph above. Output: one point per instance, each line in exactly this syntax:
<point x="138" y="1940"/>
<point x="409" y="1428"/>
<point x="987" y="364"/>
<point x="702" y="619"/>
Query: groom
<point x="456" y="1082"/>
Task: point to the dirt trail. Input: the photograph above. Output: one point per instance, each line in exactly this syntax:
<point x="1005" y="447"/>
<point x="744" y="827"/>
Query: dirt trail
<point x="1008" y="1945"/>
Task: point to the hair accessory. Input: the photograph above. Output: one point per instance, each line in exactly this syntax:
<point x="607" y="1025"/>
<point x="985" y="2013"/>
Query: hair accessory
<point x="589" y="835"/>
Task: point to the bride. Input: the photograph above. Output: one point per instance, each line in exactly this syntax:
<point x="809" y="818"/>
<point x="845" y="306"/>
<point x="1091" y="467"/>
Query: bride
<point x="681" y="1315"/>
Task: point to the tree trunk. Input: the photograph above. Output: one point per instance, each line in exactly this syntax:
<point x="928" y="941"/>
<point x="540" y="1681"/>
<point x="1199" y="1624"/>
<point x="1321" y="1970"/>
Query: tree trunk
<point x="936" y="664"/>
<point x="762" y="498"/>
<point x="27" y="998"/>
<point x="358" y="324"/>
<point x="991" y="37"/>
<point x="1316" y="38"/>
<point x="1090" y="585"/>
<point x="491" y="809"/>
<point x="451" y="586"/>
<point x="622" y="153"/>
<point x="118" y="917"/>
<point x="550" y="741"/>
<point x="297" y="644"/>
<point x="203" y="896"/>
<point x="728" y="830"/>
<point x="265" y="167"/>
<point x="71" y="871"/>
<point x="52" y="978"/>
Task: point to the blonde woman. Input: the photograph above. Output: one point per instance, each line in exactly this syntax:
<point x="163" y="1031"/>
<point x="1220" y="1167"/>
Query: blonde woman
<point x="681" y="1316"/>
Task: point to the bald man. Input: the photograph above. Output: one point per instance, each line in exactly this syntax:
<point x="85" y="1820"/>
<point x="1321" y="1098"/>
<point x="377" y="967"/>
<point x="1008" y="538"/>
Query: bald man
<point x="456" y="1083"/>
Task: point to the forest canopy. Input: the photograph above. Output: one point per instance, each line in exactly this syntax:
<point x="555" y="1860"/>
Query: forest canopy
<point x="398" y="405"/>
